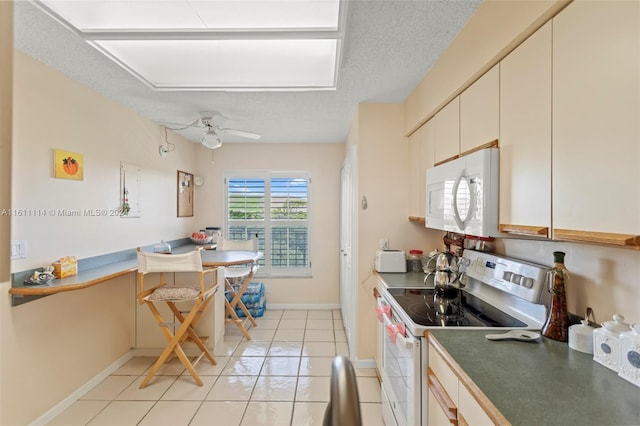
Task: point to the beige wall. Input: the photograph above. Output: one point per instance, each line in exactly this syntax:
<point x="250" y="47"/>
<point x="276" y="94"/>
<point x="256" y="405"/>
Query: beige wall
<point x="53" y="346"/>
<point x="603" y="278"/>
<point x="6" y="107"/>
<point x="53" y="111"/>
<point x="383" y="179"/>
<point x="323" y="161"/>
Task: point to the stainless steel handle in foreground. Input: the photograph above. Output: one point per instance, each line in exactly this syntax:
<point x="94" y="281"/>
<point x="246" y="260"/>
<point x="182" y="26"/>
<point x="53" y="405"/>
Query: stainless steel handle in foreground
<point x="344" y="404"/>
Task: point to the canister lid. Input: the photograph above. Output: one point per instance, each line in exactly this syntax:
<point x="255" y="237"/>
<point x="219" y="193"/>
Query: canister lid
<point x="617" y="325"/>
<point x="582" y="329"/>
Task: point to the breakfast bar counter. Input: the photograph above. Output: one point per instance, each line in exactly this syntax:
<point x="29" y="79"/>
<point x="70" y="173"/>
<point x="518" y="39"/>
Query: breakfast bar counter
<point x="98" y="270"/>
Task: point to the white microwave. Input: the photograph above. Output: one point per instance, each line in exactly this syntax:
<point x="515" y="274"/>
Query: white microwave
<point x="462" y="194"/>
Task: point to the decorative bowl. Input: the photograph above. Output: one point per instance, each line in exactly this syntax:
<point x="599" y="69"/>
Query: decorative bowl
<point x="201" y="241"/>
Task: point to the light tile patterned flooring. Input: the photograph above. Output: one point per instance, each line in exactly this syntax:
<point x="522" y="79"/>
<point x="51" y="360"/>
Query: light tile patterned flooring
<point x="280" y="377"/>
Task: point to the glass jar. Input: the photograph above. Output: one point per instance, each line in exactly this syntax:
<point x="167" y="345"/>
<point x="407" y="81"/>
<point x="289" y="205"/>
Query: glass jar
<point x="414" y="261"/>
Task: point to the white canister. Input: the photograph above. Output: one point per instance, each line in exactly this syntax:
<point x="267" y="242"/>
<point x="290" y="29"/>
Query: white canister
<point x="581" y="337"/>
<point x="606" y="342"/>
<point x="630" y="355"/>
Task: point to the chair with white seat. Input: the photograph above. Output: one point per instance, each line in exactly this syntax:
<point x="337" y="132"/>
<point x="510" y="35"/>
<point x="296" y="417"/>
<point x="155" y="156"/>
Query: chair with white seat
<point x="199" y="295"/>
<point x="235" y="273"/>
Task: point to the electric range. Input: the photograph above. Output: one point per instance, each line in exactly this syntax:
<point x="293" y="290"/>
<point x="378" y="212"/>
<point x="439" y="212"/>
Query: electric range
<point x="498" y="292"/>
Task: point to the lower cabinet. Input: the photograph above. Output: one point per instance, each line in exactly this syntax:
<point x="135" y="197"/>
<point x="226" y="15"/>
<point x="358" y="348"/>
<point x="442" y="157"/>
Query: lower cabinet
<point x="451" y="402"/>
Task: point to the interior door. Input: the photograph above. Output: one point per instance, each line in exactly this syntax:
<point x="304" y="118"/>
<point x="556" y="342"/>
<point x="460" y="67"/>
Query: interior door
<point x="348" y="245"/>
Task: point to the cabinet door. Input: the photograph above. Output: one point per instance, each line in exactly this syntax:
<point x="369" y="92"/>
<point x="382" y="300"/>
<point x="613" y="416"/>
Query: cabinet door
<point x="437" y="415"/>
<point x="471" y="410"/>
<point x="479" y="111"/>
<point x="427" y="147"/>
<point x="596" y="148"/>
<point x="447" y="132"/>
<point x="525" y="137"/>
<point x="415" y="184"/>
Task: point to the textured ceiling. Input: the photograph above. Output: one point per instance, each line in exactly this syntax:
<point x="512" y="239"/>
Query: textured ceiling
<point x="389" y="46"/>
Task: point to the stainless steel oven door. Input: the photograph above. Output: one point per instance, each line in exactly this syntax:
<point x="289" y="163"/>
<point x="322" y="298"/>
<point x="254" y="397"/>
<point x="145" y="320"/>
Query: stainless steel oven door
<point x="401" y="372"/>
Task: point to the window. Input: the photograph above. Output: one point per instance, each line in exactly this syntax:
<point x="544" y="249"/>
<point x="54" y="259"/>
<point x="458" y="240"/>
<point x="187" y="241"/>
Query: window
<point x="274" y="207"/>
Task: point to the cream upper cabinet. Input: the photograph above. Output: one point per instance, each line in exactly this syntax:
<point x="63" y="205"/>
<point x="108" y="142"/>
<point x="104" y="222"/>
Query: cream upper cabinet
<point x="525" y="137"/>
<point x="446" y="125"/>
<point x="415" y="186"/>
<point x="427" y="160"/>
<point x="596" y="122"/>
<point x="421" y="151"/>
<point x="479" y="111"/>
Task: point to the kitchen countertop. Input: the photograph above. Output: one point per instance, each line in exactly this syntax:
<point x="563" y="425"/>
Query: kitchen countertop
<point x="402" y="280"/>
<point x="542" y="383"/>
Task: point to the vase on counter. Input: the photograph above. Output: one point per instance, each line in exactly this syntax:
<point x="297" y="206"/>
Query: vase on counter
<point x="557" y="325"/>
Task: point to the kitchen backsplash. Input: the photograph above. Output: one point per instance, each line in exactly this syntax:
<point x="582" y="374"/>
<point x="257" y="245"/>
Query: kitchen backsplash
<point x="606" y="279"/>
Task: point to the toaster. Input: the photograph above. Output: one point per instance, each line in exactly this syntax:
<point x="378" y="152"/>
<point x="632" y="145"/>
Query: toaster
<point x="390" y="261"/>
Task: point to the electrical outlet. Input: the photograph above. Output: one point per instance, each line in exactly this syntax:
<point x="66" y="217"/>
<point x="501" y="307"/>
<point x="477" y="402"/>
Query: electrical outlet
<point x="18" y="249"/>
<point x="384" y="243"/>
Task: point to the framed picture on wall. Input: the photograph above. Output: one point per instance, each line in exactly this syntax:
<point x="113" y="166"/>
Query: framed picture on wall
<point x="68" y="165"/>
<point x="185" y="194"/>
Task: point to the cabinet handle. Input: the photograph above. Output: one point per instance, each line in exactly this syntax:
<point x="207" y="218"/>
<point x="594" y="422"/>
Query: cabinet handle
<point x="621" y="240"/>
<point x="444" y="400"/>
<point x="533" y="231"/>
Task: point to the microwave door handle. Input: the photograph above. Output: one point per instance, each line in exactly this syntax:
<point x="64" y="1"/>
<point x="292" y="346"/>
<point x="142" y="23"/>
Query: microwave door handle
<point x="462" y="223"/>
<point x="456" y="213"/>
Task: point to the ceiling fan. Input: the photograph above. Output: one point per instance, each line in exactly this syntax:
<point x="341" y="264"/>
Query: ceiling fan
<point x="212" y="136"/>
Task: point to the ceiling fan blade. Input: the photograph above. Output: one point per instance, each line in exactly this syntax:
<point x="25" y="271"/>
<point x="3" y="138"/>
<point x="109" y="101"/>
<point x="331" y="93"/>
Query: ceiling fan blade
<point x="242" y="133"/>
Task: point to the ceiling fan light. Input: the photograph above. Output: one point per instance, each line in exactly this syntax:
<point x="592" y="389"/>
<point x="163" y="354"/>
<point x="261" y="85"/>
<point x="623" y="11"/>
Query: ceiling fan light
<point x="210" y="139"/>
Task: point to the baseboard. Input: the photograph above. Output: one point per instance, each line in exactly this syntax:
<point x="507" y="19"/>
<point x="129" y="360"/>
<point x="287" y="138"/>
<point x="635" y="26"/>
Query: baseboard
<point x="156" y="352"/>
<point x="78" y="393"/>
<point x="296" y="306"/>
<point x="365" y="363"/>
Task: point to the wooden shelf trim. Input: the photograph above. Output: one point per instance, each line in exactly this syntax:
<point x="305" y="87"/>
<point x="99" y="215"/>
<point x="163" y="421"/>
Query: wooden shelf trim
<point x="417" y="219"/>
<point x="620" y="240"/>
<point x="45" y="291"/>
<point x="490" y="144"/>
<point x="533" y="231"/>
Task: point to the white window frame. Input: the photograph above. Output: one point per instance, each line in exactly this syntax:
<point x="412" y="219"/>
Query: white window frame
<point x="267" y="270"/>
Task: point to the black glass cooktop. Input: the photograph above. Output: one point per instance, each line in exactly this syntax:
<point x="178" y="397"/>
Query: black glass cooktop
<point x="454" y="308"/>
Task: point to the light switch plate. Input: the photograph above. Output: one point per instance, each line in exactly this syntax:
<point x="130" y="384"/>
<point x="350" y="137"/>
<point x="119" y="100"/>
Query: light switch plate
<point x="18" y="249"/>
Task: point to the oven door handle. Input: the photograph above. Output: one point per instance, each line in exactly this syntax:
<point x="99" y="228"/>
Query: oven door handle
<point x="395" y="336"/>
<point x="382" y="309"/>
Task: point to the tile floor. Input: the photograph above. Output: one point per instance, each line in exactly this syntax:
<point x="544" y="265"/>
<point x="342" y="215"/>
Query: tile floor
<point x="280" y="377"/>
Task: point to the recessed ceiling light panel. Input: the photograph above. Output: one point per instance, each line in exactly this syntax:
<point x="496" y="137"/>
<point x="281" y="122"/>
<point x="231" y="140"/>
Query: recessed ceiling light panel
<point x="201" y="64"/>
<point x="108" y="15"/>
<point x="214" y="44"/>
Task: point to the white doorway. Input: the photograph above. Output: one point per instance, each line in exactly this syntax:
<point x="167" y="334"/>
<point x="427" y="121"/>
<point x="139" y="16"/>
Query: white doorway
<point x="349" y="246"/>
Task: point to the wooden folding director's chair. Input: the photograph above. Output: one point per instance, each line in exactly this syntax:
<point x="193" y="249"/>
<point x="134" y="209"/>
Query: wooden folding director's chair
<point x="200" y="295"/>
<point x="232" y="273"/>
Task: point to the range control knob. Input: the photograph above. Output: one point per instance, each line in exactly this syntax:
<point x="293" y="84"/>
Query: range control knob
<point x="527" y="282"/>
<point x="506" y="275"/>
<point x="516" y="279"/>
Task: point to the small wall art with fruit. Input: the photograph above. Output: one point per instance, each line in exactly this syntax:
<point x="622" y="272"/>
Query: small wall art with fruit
<point x="68" y="165"/>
